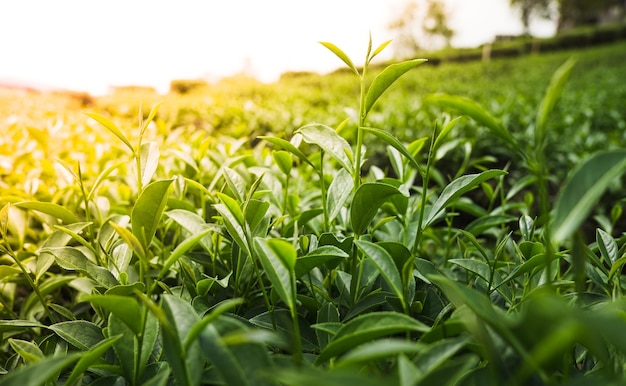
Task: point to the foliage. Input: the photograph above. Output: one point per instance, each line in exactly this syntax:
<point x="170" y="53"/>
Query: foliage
<point x="363" y="235"/>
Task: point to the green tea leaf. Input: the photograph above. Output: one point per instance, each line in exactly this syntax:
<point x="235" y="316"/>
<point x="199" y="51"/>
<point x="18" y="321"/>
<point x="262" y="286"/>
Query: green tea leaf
<point x="236" y="183"/>
<point x="288" y="146"/>
<point x="187" y="365"/>
<point x="378" y="50"/>
<point x="386" y="78"/>
<point x="366" y="328"/>
<point x="73" y="259"/>
<point x="79" y="333"/>
<point x="553" y="93"/>
<point x="477" y="267"/>
<point x="393" y="142"/>
<point x="329" y="141"/>
<point x="126" y="308"/>
<point x="225" y="362"/>
<point x="181" y="249"/>
<point x="50" y="209"/>
<point x="90" y="357"/>
<point x="341" y="55"/>
<point x="583" y="189"/>
<point x="385" y="265"/>
<point x="149" y="157"/>
<point x="477" y="113"/>
<point x="283" y="160"/>
<point x="378" y="349"/>
<point x="28" y="351"/>
<point x="193" y="224"/>
<point x="40" y="373"/>
<point x="607" y="246"/>
<point x="148" y="209"/>
<point x="339" y="192"/>
<point x="368" y="198"/>
<point x="278" y="258"/>
<point x="112" y="128"/>
<point x="318" y="257"/>
<point x="456" y="189"/>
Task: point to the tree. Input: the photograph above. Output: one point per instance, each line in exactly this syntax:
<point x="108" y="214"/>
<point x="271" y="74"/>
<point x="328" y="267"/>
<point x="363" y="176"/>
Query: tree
<point x="421" y="24"/>
<point x="529" y="8"/>
<point x="573" y="13"/>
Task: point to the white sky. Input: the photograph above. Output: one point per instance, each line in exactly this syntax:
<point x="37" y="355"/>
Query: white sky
<point x="93" y="44"/>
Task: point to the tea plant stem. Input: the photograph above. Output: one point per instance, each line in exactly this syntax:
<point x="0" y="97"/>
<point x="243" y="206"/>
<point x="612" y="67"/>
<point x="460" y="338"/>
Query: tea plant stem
<point x="323" y="192"/>
<point x="359" y="132"/>
<point x="425" y="182"/>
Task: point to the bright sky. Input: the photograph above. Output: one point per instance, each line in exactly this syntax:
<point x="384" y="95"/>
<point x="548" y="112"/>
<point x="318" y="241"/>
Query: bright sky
<point x="93" y="44"/>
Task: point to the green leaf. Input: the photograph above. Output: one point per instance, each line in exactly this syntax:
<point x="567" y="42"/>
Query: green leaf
<point x="73" y="259"/>
<point x="187" y="365"/>
<point x="90" y="357"/>
<point x="318" y="257"/>
<point x="79" y="333"/>
<point x="288" y="146"/>
<point x="378" y="349"/>
<point x="378" y="50"/>
<point x="368" y="198"/>
<point x="278" y="258"/>
<point x="233" y="219"/>
<point x="583" y="189"/>
<point x="385" y="265"/>
<point x="149" y="157"/>
<point x="126" y="308"/>
<point x="148" y="209"/>
<point x="477" y="113"/>
<point x="236" y="184"/>
<point x="339" y="192"/>
<point x="328" y="313"/>
<point x="130" y="239"/>
<point x="225" y="362"/>
<point x="341" y="55"/>
<point x="28" y="351"/>
<point x="50" y="209"/>
<point x="553" y="93"/>
<point x="112" y="128"/>
<point x="153" y="112"/>
<point x="444" y="132"/>
<point x="385" y="79"/>
<point x="192" y="223"/>
<point x="125" y="347"/>
<point x="181" y="249"/>
<point x="39" y="373"/>
<point x="328" y="140"/>
<point x="283" y="160"/>
<point x="608" y="246"/>
<point x="367" y="327"/>
<point x="255" y="213"/>
<point x="393" y="142"/>
<point x="456" y="189"/>
<point x="477" y="267"/>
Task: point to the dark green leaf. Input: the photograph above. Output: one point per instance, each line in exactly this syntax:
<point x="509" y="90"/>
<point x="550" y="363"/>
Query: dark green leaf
<point x="79" y="333"/>
<point x="367" y="200"/>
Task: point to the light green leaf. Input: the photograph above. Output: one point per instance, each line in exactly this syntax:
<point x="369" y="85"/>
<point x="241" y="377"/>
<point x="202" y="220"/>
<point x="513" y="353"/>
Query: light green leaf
<point x="393" y="142"/>
<point x="378" y="349"/>
<point x="149" y="157"/>
<point x="318" y="257"/>
<point x="79" y="333"/>
<point x="112" y="128"/>
<point x="341" y="55"/>
<point x="583" y="189"/>
<point x="444" y="132"/>
<point x="73" y="259"/>
<point x="608" y="246"/>
<point x="339" y="192"/>
<point x="368" y="198"/>
<point x="181" y="249"/>
<point x="148" y="209"/>
<point x="192" y="223"/>
<point x="386" y="78"/>
<point x="385" y="265"/>
<point x="126" y="308"/>
<point x="283" y="160"/>
<point x="366" y="328"/>
<point x="40" y="373"/>
<point x="28" y="351"/>
<point x="477" y="113"/>
<point x="278" y="258"/>
<point x="90" y="357"/>
<point x="50" y="209"/>
<point x="331" y="142"/>
<point x="288" y="146"/>
<point x="236" y="184"/>
<point x="553" y="93"/>
<point x="378" y="50"/>
<point x="456" y="189"/>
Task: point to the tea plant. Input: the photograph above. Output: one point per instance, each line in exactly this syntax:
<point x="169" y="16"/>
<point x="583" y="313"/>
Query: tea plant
<point x="183" y="258"/>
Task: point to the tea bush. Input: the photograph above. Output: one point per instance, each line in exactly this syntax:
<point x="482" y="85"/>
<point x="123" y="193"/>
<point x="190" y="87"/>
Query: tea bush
<point x="351" y="228"/>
